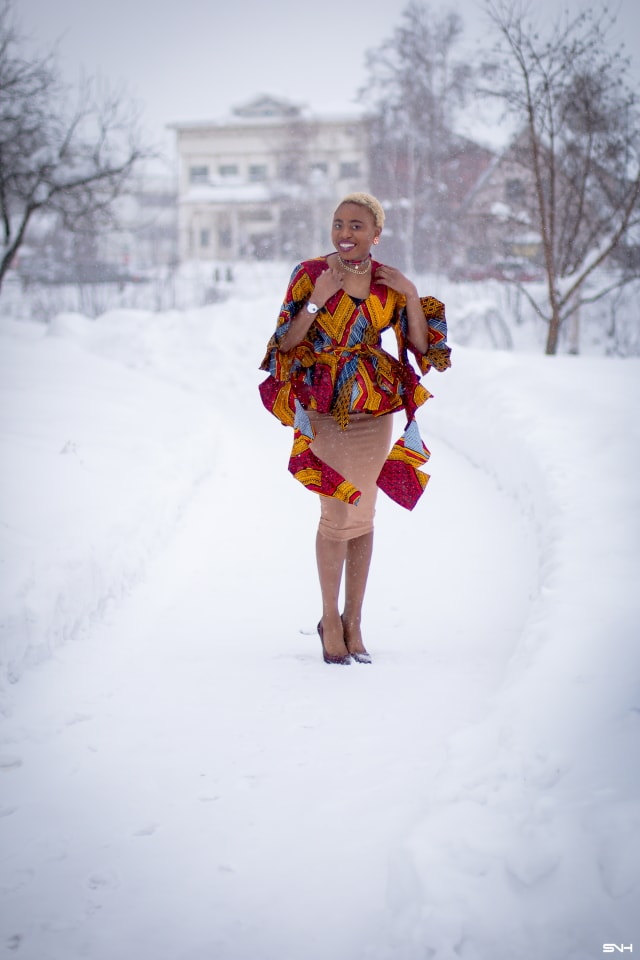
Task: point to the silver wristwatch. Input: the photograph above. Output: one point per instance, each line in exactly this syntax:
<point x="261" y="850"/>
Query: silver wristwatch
<point x="312" y="308"/>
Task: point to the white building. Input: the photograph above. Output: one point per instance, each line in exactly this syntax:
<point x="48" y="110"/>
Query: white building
<point x="264" y="182"/>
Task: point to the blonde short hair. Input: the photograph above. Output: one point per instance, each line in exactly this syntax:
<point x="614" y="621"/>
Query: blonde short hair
<point x="368" y="201"/>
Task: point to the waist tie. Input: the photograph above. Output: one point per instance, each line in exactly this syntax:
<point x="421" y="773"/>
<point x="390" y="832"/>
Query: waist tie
<point x="356" y="348"/>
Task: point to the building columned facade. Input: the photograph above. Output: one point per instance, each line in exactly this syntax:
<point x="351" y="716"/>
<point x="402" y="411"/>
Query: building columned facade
<point x="264" y="182"/>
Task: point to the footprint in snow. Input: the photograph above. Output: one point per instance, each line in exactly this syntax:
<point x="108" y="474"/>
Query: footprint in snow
<point x="146" y="831"/>
<point x="106" y="880"/>
<point x="8" y="762"/>
<point x="16" y="881"/>
<point x="77" y="718"/>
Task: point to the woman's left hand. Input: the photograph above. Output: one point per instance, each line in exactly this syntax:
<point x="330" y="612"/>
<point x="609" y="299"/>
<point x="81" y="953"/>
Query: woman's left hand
<point x="394" y="278"/>
<point x="418" y="328"/>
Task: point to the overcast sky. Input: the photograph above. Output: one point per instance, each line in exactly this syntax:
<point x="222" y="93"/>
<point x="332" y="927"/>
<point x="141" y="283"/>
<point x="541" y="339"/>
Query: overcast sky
<point x="195" y="59"/>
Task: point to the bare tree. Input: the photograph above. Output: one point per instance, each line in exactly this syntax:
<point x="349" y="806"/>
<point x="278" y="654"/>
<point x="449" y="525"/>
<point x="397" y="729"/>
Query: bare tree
<point x="579" y="148"/>
<point x="67" y="160"/>
<point x="414" y="90"/>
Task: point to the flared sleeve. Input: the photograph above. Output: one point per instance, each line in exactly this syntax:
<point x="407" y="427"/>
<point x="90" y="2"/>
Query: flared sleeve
<point x="278" y="363"/>
<point x="438" y="354"/>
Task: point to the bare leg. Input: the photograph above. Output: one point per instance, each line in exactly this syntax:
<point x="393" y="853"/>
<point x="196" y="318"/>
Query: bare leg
<point x="358" y="561"/>
<point x="330" y="556"/>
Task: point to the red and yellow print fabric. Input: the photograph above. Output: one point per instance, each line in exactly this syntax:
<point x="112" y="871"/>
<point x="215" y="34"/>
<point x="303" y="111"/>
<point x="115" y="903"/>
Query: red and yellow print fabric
<point x="341" y="368"/>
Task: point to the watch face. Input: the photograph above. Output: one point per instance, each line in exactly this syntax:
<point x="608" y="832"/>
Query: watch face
<point x="312" y="308"/>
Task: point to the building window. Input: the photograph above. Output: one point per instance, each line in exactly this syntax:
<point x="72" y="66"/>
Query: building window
<point x="289" y="170"/>
<point x="228" y="170"/>
<point x="205" y="238"/>
<point x="198" y="174"/>
<point x="349" y="170"/>
<point x="514" y="191"/>
<point x="321" y="168"/>
<point x="224" y="238"/>
<point x="257" y="171"/>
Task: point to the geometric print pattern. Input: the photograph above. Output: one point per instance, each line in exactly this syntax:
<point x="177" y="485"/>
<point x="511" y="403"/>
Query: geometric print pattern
<point x="341" y="368"/>
<point x="306" y="467"/>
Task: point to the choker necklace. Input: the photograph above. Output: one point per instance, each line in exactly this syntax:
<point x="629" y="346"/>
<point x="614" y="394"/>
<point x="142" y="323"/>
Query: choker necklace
<point x="350" y="268"/>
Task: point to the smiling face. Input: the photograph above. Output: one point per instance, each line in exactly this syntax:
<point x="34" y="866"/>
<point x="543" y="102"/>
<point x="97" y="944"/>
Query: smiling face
<point x="353" y="231"/>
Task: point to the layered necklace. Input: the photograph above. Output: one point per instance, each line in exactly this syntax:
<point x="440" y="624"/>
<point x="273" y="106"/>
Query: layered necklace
<point x="359" y="267"/>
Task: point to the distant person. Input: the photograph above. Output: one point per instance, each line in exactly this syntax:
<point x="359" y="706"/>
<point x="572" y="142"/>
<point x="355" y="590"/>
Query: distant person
<point x="330" y="379"/>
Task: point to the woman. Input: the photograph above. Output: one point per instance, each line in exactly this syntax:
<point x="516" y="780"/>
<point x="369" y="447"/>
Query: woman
<point x="330" y="379"/>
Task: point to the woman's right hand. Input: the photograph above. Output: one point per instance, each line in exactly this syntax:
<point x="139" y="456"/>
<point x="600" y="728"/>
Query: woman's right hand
<point x="328" y="283"/>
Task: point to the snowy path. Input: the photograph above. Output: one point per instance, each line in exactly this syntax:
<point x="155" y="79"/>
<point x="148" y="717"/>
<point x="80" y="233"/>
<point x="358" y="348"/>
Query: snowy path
<point x="205" y="787"/>
<point x="182" y="778"/>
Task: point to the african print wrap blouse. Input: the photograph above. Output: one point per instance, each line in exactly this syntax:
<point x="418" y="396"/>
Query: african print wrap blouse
<point x="341" y="368"/>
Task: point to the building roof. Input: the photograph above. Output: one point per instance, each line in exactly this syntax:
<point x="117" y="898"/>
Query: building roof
<point x="266" y="109"/>
<point x="265" y="105"/>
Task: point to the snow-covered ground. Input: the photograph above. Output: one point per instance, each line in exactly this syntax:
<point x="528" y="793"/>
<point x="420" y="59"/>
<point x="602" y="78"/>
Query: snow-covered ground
<point x="182" y="778"/>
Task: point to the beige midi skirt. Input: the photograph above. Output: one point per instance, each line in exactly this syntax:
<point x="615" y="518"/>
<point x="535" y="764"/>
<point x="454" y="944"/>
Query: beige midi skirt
<point x="358" y="453"/>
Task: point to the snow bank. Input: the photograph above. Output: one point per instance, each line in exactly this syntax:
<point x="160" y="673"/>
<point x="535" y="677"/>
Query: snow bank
<point x="107" y="427"/>
<point x="104" y="434"/>
<point x="531" y="845"/>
